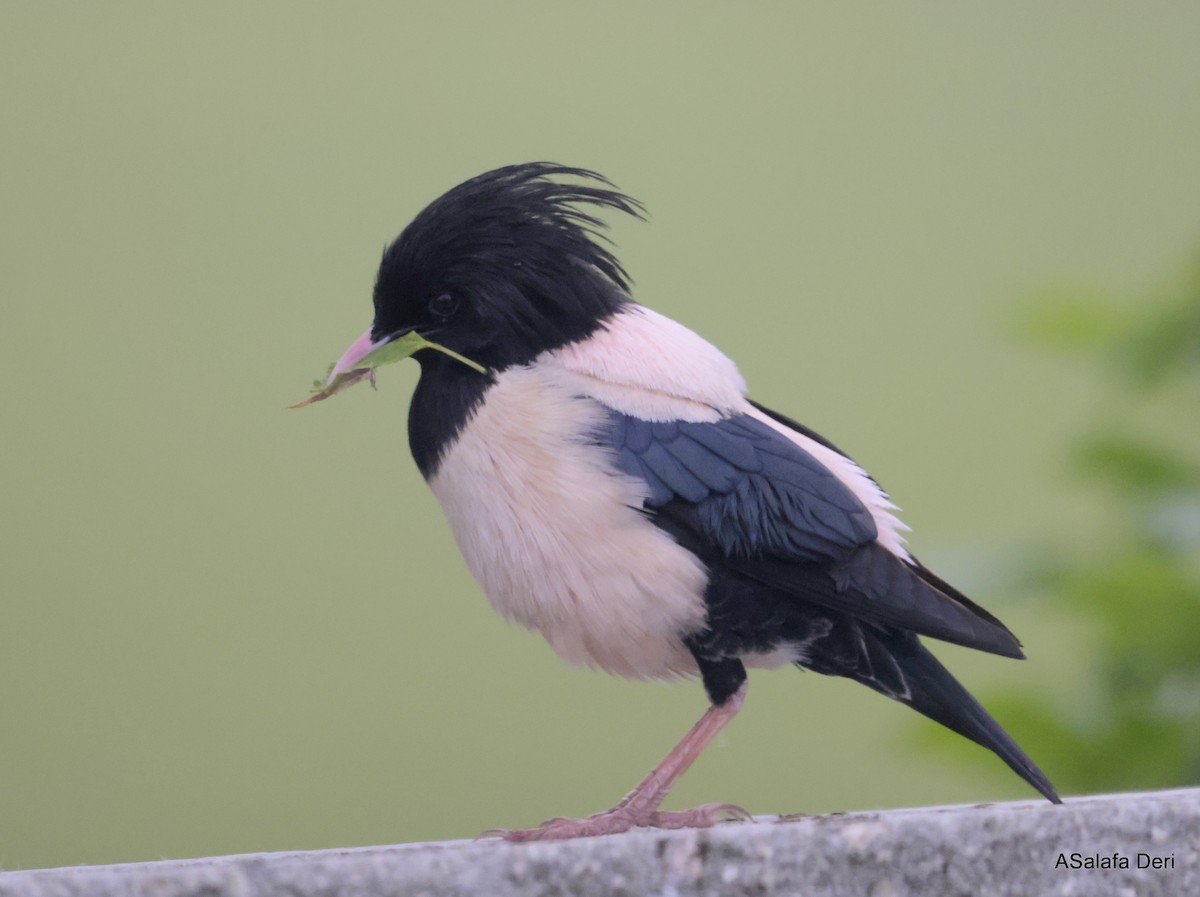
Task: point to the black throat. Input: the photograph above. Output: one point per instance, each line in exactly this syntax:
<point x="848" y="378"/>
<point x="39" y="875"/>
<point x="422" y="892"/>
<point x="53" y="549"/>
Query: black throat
<point x="449" y="391"/>
<point x="445" y="399"/>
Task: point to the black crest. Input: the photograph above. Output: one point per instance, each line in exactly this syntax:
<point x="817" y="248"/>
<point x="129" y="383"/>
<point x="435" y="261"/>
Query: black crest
<point x="521" y="250"/>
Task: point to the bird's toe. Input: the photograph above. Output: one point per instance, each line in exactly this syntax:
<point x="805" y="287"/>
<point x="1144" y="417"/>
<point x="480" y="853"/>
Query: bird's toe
<point x="704" y="816"/>
<point x="622" y="819"/>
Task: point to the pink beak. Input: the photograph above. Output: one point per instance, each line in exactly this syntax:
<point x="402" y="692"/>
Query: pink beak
<point x="359" y="349"/>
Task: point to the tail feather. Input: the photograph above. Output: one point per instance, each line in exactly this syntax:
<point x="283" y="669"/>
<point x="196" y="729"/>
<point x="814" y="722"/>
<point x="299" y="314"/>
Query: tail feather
<point x="937" y="694"/>
<point x="896" y="664"/>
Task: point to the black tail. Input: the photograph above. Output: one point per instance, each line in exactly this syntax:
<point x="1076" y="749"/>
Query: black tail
<point x="896" y="664"/>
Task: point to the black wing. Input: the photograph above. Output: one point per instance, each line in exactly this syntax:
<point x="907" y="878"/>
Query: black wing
<point x="746" y="498"/>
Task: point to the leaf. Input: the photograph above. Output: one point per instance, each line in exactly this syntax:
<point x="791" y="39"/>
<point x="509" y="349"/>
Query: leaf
<point x="1070" y="321"/>
<point x="1134" y="465"/>
<point x="404" y="346"/>
<point x="347" y="378"/>
<point x="1165" y="343"/>
<point x="389" y="353"/>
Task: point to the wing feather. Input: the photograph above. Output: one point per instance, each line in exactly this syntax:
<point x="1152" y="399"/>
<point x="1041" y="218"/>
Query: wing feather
<point x="755" y="502"/>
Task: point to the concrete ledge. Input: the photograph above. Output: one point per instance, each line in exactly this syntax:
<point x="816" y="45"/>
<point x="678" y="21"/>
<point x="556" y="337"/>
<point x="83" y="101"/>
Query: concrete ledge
<point x="985" y="850"/>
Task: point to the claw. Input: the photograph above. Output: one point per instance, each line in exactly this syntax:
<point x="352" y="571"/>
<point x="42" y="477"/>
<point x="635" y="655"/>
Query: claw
<point x="701" y="817"/>
<point x="617" y="820"/>
<point x="640" y="807"/>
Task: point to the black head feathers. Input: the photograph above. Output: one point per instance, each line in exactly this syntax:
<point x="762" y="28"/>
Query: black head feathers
<point x="507" y="264"/>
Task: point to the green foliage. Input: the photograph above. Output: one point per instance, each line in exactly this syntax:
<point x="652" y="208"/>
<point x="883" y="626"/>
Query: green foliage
<point x="1130" y="464"/>
<point x="389" y="353"/>
<point x="1138" y="725"/>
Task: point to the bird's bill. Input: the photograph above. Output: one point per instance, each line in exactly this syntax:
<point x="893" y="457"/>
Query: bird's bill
<point x="360" y="360"/>
<point x="365" y="354"/>
<point x="354" y="356"/>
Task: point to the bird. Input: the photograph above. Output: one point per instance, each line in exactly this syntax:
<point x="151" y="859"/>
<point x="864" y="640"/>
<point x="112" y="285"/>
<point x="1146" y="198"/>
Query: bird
<point x="611" y="486"/>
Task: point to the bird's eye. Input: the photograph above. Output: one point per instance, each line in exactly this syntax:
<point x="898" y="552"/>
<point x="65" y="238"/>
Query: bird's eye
<point x="443" y="306"/>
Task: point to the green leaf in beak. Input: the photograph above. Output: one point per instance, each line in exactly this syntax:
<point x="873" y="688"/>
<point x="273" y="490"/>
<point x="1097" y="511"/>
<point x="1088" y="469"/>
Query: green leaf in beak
<point x="404" y="346"/>
<point x="389" y="353"/>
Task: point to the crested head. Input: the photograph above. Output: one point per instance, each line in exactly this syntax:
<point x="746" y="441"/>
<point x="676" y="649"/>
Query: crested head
<point x="506" y="265"/>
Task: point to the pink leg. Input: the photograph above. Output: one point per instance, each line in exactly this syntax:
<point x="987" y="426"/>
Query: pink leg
<point x="640" y="807"/>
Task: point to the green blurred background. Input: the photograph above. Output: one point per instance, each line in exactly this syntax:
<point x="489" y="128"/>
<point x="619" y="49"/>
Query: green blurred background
<point x="229" y="627"/>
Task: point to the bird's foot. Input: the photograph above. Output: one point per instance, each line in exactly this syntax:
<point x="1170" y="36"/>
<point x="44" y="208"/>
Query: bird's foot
<point x="704" y="816"/>
<point x="622" y="819"/>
